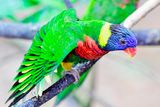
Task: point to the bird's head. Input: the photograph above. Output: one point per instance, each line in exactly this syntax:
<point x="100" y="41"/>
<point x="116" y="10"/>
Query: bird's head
<point x="116" y="37"/>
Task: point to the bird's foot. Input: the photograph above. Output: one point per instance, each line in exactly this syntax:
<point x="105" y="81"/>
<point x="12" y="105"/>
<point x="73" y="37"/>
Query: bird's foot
<point x="75" y="74"/>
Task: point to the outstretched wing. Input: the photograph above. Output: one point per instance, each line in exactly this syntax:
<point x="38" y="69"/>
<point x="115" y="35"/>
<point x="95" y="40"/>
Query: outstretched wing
<point x="50" y="46"/>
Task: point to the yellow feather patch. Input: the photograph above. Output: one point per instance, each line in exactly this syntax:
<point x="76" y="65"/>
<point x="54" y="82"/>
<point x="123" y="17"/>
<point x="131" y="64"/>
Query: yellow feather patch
<point x="27" y="64"/>
<point x="28" y="88"/>
<point x="32" y="59"/>
<point x="23" y="87"/>
<point x="67" y="65"/>
<point x="25" y="71"/>
<point x="105" y="34"/>
<point x="22" y="79"/>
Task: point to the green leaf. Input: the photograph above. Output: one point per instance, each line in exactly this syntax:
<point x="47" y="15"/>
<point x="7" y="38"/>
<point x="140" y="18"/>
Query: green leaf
<point x="31" y="2"/>
<point x="74" y="1"/>
<point x="44" y="10"/>
<point x="43" y="15"/>
<point x="9" y="7"/>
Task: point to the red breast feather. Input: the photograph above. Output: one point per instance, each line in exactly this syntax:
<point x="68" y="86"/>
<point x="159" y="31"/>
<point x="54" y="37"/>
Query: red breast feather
<point x="89" y="49"/>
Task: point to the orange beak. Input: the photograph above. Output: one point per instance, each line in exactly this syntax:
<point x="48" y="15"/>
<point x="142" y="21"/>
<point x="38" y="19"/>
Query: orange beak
<point x="131" y="51"/>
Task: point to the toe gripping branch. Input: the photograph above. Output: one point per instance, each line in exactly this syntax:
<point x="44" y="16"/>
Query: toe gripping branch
<point x="57" y="87"/>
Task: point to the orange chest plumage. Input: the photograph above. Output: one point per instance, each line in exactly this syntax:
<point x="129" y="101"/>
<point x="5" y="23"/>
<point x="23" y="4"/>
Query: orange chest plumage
<point x="89" y="49"/>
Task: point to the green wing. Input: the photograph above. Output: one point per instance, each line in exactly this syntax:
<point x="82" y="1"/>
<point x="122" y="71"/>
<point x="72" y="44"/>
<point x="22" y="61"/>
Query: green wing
<point x="50" y="46"/>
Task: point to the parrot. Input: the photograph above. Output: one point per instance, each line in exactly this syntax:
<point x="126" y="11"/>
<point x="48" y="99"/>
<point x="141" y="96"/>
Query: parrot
<point x="64" y="42"/>
<point x="115" y="11"/>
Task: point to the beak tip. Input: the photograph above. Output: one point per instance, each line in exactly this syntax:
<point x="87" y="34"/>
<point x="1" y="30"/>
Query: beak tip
<point x="131" y="52"/>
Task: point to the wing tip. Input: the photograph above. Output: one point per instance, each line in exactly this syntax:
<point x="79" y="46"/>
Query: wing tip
<point x="16" y="99"/>
<point x="10" y="97"/>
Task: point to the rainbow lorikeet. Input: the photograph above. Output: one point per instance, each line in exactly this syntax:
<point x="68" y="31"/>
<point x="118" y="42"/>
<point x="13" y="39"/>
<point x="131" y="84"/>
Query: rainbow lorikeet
<point x="64" y="42"/>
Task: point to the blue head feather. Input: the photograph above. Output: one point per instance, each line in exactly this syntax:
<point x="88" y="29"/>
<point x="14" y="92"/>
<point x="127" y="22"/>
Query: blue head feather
<point x="121" y="39"/>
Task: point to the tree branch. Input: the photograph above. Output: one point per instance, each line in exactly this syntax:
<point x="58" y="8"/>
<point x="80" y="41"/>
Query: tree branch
<point x="57" y="87"/>
<point x="140" y="13"/>
<point x="68" y="4"/>
<point x="148" y="37"/>
<point x="27" y="31"/>
<point x="14" y="30"/>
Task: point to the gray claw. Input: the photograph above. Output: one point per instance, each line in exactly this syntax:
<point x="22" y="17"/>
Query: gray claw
<point x="75" y="73"/>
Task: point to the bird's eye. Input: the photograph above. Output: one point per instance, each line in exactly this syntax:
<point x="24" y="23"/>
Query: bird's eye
<point x="122" y="42"/>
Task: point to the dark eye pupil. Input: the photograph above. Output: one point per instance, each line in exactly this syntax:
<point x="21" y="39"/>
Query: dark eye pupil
<point x="123" y="42"/>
